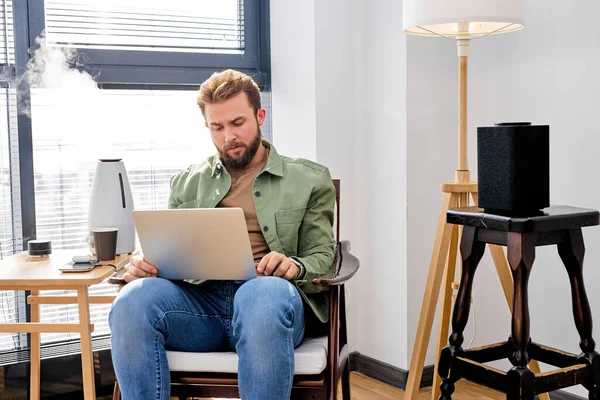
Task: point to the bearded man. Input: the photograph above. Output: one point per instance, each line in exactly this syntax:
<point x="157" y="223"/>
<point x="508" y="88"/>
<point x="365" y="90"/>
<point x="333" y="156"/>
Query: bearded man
<point x="288" y="204"/>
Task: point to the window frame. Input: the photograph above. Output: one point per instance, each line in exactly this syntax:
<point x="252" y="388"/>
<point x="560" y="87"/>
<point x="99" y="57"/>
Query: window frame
<point x="117" y="67"/>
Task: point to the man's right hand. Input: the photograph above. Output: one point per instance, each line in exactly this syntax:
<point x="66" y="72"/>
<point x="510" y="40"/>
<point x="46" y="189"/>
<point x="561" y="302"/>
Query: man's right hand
<point x="138" y="267"/>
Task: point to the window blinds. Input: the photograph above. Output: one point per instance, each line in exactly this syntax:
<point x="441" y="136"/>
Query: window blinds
<point x="198" y="26"/>
<point x="7" y="38"/>
<point x="9" y="183"/>
<point x="12" y="303"/>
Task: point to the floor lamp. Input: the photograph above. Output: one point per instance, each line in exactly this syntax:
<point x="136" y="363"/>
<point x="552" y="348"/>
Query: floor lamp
<point x="462" y="21"/>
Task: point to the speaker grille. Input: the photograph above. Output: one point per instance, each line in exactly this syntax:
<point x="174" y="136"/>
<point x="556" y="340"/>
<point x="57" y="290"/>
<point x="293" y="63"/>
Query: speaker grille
<point x="513" y="167"/>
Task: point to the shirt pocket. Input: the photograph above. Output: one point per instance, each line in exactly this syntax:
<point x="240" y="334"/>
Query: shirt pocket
<point x="288" y="226"/>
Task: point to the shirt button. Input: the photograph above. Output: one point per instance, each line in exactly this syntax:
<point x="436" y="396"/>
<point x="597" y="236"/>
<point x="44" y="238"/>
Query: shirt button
<point x="265" y="228"/>
<point x="257" y="193"/>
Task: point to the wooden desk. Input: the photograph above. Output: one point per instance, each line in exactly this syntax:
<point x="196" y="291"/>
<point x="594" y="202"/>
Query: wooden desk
<point x="22" y="272"/>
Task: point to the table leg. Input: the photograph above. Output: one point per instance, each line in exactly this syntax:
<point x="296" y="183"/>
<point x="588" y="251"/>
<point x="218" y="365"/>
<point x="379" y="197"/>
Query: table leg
<point x="34" y="385"/>
<point x="571" y="253"/>
<point x="521" y="254"/>
<point x="471" y="251"/>
<point x="87" y="361"/>
<point x="506" y="281"/>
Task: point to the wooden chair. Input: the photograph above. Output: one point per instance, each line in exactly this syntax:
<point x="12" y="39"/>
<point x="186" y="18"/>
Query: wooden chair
<point x="321" y="362"/>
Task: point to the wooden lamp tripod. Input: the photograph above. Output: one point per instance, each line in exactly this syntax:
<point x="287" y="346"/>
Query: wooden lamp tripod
<point x="461" y="20"/>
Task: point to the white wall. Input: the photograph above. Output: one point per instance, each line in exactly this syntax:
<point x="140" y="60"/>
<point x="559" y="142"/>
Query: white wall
<point x="293" y="77"/>
<point x="345" y="95"/>
<point x="380" y="162"/>
<point x="359" y="113"/>
<point x="339" y="41"/>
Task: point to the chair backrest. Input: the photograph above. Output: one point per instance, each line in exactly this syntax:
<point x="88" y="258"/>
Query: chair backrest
<point x="336" y="183"/>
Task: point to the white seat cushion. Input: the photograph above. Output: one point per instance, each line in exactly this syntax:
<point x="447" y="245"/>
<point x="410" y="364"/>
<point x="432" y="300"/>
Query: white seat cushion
<point x="310" y="359"/>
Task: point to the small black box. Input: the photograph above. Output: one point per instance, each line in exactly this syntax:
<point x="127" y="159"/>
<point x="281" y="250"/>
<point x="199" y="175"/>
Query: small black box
<point x="513" y="168"/>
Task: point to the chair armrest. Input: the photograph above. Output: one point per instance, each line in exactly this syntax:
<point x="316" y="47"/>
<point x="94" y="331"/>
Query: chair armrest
<point x="346" y="265"/>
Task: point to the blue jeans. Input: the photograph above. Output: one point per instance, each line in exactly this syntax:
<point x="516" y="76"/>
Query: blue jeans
<point x="261" y="319"/>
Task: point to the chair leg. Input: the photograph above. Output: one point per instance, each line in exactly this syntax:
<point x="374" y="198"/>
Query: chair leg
<point x="116" y="391"/>
<point x="346" y="382"/>
<point x="447" y="388"/>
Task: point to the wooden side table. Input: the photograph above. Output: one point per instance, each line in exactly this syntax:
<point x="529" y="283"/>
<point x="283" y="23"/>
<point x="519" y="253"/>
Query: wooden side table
<point x="561" y="226"/>
<point x="23" y="272"/>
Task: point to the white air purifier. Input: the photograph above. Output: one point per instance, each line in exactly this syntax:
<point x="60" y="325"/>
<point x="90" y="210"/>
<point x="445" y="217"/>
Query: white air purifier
<point x="111" y="204"/>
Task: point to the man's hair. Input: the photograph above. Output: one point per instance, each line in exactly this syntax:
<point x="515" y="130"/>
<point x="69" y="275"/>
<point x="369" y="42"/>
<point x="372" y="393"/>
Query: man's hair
<point x="226" y="84"/>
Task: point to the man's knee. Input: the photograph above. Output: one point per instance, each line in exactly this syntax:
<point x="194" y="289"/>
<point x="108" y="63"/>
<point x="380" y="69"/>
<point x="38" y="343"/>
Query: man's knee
<point x="265" y="301"/>
<point x="138" y="303"/>
<point x="266" y="289"/>
<point x="266" y="310"/>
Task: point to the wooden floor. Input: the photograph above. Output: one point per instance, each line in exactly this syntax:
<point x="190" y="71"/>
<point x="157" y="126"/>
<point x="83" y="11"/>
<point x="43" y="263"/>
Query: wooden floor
<point x="365" y="388"/>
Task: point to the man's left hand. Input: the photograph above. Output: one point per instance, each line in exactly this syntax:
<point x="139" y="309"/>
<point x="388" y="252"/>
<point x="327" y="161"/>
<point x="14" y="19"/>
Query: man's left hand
<point x="277" y="264"/>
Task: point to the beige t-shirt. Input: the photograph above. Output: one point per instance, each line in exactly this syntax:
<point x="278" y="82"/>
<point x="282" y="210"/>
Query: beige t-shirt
<point x="240" y="195"/>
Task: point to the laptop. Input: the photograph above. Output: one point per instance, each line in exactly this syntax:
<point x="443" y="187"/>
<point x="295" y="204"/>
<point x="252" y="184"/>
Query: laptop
<point x="196" y="243"/>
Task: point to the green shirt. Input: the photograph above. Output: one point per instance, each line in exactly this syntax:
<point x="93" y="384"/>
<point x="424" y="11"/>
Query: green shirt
<point x="294" y="200"/>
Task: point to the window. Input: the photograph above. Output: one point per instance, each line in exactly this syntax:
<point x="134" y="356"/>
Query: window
<point x="179" y="42"/>
<point x="155" y="132"/>
<point x="72" y="131"/>
<point x="117" y="77"/>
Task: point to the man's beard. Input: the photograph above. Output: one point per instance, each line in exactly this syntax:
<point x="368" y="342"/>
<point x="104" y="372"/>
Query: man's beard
<point x="244" y="160"/>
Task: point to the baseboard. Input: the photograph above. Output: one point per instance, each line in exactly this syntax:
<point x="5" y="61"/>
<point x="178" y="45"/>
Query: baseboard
<point x="398" y="377"/>
<point x="386" y="373"/>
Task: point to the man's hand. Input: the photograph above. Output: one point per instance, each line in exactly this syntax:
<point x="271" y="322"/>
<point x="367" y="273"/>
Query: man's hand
<point x="138" y="267"/>
<point x="277" y="264"/>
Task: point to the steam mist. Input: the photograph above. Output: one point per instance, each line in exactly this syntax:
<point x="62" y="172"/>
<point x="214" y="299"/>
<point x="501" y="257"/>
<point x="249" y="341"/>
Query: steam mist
<point x="70" y="115"/>
<point x="53" y="67"/>
<point x="50" y="67"/>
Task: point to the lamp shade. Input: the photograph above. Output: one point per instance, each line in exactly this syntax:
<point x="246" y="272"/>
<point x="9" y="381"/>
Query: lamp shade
<point x="442" y="17"/>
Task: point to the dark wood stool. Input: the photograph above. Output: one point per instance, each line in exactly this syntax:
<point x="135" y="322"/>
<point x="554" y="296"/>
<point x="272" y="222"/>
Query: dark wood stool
<point x="560" y="225"/>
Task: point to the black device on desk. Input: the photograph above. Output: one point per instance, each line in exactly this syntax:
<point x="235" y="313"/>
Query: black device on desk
<point x="79" y="263"/>
<point x="82" y="263"/>
<point x="78" y="266"/>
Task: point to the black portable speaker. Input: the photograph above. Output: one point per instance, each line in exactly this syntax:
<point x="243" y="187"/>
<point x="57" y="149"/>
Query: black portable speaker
<point x="513" y="168"/>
